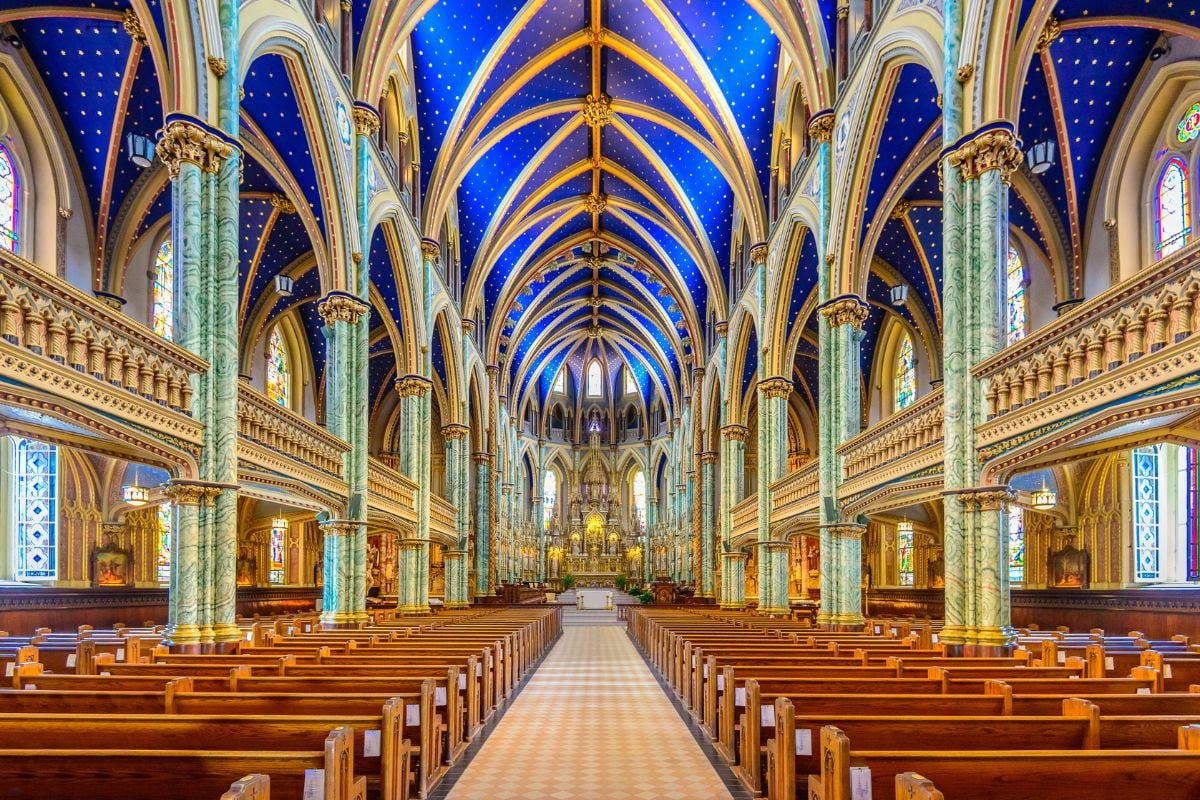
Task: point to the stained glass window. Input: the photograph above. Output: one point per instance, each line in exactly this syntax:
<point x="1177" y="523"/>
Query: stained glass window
<point x="594" y="379"/>
<point x="639" y="498"/>
<point x="1147" y="512"/>
<point x="630" y="382"/>
<point x="278" y="369"/>
<point x="906" y="374"/>
<point x="278" y="534"/>
<point x="1189" y="127"/>
<point x="549" y="498"/>
<point x="1172" y="211"/>
<point x="560" y="381"/>
<point x="1016" y="544"/>
<point x="1191" y="512"/>
<point x="162" y="307"/>
<point x="905" y="541"/>
<point x="8" y="201"/>
<point x="1015" y="296"/>
<point x="166" y="522"/>
<point x="35" y="508"/>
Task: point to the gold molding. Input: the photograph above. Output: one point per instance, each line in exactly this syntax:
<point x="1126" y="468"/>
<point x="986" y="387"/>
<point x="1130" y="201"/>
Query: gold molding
<point x="734" y="432"/>
<point x="995" y="148"/>
<point x="282" y="203"/>
<point x="133" y="26"/>
<point x="597" y="111"/>
<point x="1048" y="35"/>
<point x="412" y="386"/>
<point x="182" y="141"/>
<point x="341" y="308"/>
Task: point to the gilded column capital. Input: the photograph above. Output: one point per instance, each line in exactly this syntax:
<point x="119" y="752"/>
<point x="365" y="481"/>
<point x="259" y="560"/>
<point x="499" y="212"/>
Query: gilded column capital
<point x="597" y="111"/>
<point x="192" y="493"/>
<point x="341" y="307"/>
<point x="338" y="527"/>
<point x="455" y="432"/>
<point x="721" y="328"/>
<point x="737" y="433"/>
<point x="845" y="530"/>
<point x="984" y="498"/>
<point x="709" y="457"/>
<point x="468" y="326"/>
<point x="758" y="253"/>
<point x="820" y="127"/>
<point x="992" y="147"/>
<point x="412" y="386"/>
<point x="843" y="12"/>
<point x="186" y="139"/>
<point x="431" y="250"/>
<point x="845" y="310"/>
<point x="785" y="143"/>
<point x="366" y="119"/>
<point x="402" y="137"/>
<point x="482" y="459"/>
<point x="281" y="203"/>
<point x="776" y="388"/>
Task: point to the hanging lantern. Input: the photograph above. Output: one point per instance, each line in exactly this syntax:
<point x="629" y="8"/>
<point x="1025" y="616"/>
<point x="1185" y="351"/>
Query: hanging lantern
<point x="136" y="495"/>
<point x="283" y="285"/>
<point x="900" y="294"/>
<point x="905" y="526"/>
<point x="1044" y="498"/>
<point x="1040" y="157"/>
<point x="279" y="523"/>
<point x="141" y="149"/>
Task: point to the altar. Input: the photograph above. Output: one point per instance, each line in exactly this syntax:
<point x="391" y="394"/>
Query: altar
<point x="594" y="599"/>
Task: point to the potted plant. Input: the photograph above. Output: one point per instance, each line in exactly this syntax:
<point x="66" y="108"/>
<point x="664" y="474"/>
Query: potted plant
<point x="622" y="583"/>
<point x="568" y="582"/>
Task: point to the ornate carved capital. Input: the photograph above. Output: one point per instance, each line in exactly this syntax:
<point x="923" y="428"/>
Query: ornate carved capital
<point x="186" y="493"/>
<point x="901" y="209"/>
<point x="758" y="254"/>
<point x="218" y="66"/>
<point x="1049" y="35"/>
<point x="412" y="386"/>
<point x="402" y="137"/>
<point x="366" y="119"/>
<point x="820" y="127"/>
<point x="785" y="143"/>
<point x="773" y="388"/>
<point x="595" y="202"/>
<point x="468" y="326"/>
<point x="482" y="459"/>
<point x="709" y="457"/>
<point x="430" y="250"/>
<point x="845" y="310"/>
<point x="721" y="328"/>
<point x="597" y="111"/>
<point x="338" y="527"/>
<point x="282" y="203"/>
<point x="187" y="140"/>
<point x="339" y="307"/>
<point x="845" y="530"/>
<point x="993" y="148"/>
<point x="736" y="433"/>
<point x="455" y="431"/>
<point x="133" y="26"/>
<point x="984" y="498"/>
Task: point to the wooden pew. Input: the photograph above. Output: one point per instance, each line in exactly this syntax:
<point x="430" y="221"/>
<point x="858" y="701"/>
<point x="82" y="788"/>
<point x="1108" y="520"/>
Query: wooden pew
<point x="251" y="787"/>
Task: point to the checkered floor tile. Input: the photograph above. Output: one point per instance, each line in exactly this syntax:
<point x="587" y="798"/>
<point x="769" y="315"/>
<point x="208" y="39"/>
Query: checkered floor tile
<point x="592" y="723"/>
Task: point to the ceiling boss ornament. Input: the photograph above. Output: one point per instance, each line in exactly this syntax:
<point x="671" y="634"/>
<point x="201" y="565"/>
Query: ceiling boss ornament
<point x="595" y="202"/>
<point x="597" y="111"/>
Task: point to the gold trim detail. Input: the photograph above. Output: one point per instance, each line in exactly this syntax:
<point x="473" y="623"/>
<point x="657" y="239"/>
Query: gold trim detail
<point x="185" y="141"/>
<point x="758" y="254"/>
<point x="821" y="128"/>
<point x="901" y="209"/>
<point x="992" y="149"/>
<point x="430" y="250"/>
<point x="775" y="388"/>
<point x="1049" y="35"/>
<point x="412" y="386"/>
<point x="848" y="310"/>
<point x="366" y="121"/>
<point x="190" y="494"/>
<point x="133" y="26"/>
<point x="597" y="111"/>
<point x="218" y="66"/>
<point x="282" y="203"/>
<point x="341" y="308"/>
<point x="965" y="73"/>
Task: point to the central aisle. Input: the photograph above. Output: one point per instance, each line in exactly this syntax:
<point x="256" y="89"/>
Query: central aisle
<point x="591" y="723"/>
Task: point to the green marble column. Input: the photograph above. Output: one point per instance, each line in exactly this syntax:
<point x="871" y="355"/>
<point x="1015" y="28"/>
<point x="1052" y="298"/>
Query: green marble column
<point x="840" y="419"/>
<point x="539" y="511"/>
<point x="414" y="438"/>
<point x="773" y="397"/>
<point x="708" y="527"/>
<point x="651" y="512"/>
<point x="455" y="437"/>
<point x="733" y="451"/>
<point x="483" y="486"/>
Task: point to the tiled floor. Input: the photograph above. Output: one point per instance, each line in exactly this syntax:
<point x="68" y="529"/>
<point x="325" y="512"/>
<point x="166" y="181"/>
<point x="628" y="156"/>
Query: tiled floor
<point x="594" y="724"/>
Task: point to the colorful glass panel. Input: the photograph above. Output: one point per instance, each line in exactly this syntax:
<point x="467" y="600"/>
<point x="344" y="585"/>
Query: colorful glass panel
<point x="1189" y="126"/>
<point x="1015" y="296"/>
<point x="166" y="523"/>
<point x="1172" y="208"/>
<point x="639" y="498"/>
<point x="35" y="508"/>
<point x="1147" y="512"/>
<point x="594" y="379"/>
<point x="904" y="555"/>
<point x="278" y="369"/>
<point x="8" y="201"/>
<point x="549" y="498"/>
<point x="278" y="534"/>
<point x="906" y="374"/>
<point x="1016" y="544"/>
<point x="162" y="307"/>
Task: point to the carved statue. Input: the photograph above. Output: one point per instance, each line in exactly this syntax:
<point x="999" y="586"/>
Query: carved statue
<point x="937" y="572"/>
<point x="1069" y="567"/>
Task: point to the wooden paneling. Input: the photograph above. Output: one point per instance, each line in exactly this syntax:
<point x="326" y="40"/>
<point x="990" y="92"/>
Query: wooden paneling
<point x="1159" y="613"/>
<point x="22" y="610"/>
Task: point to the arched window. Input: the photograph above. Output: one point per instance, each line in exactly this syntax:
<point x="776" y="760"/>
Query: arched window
<point x="1016" y="544"/>
<point x="1147" y="512"/>
<point x="1172" y="209"/>
<point x="631" y="384"/>
<point x="639" y="498"/>
<point x="1015" y="278"/>
<point x="906" y="374"/>
<point x="279" y="529"/>
<point x="595" y="380"/>
<point x="9" y="186"/>
<point x="904" y="552"/>
<point x="560" y="381"/>
<point x="1165" y="524"/>
<point x="162" y="304"/>
<point x="278" y="369"/>
<point x="34" y="492"/>
<point x="549" y="497"/>
<point x="166" y="524"/>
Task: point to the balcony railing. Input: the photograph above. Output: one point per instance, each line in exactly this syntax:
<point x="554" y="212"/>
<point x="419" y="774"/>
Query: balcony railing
<point x="795" y="493"/>
<point x="904" y="442"/>
<point x="442" y="516"/>
<point x="65" y="342"/>
<point x="391" y="492"/>
<point x="745" y="517"/>
<point x="275" y="438"/>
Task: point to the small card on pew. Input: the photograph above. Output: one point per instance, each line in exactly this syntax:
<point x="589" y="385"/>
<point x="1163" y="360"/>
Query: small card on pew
<point x="462" y="681"/>
<point x="767" y="715"/>
<point x="314" y="784"/>
<point x="8" y="669"/>
<point x="803" y="742"/>
<point x="412" y="715"/>
<point x="739" y="696"/>
<point x="860" y="783"/>
<point x="439" y="696"/>
<point x="371" y="743"/>
<point x="71" y="660"/>
<point x="720" y="682"/>
<point x="31" y="687"/>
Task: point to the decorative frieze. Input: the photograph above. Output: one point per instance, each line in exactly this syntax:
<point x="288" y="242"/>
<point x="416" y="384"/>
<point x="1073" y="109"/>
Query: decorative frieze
<point x="845" y="310"/>
<point x="341" y="307"/>
<point x="187" y="140"/>
<point x="992" y="148"/>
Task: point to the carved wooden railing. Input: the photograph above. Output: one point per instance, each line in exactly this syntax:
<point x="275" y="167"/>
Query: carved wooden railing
<point x="442" y="516"/>
<point x="64" y="341"/>
<point x="903" y="443"/>
<point x="1137" y="335"/>
<point x="795" y="493"/>
<point x="391" y="492"/>
<point x="277" y="439"/>
<point x="745" y="517"/>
